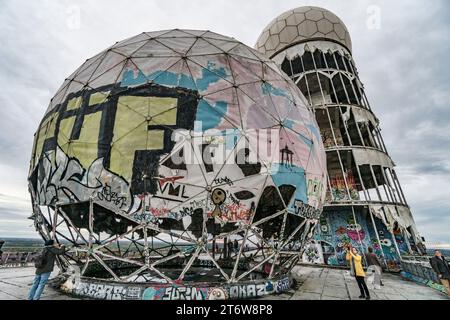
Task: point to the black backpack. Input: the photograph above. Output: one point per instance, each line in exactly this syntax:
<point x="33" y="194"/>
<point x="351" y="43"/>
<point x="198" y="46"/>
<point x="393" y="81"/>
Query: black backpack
<point x="41" y="259"/>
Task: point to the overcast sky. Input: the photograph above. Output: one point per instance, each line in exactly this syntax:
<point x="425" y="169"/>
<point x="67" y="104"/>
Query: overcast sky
<point x="401" y="49"/>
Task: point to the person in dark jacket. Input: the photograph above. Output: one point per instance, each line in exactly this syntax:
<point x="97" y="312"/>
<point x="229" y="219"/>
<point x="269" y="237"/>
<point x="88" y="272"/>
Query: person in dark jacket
<point x="236" y="246"/>
<point x="51" y="250"/>
<point x="230" y="248"/>
<point x="441" y="267"/>
<point x="2" y="242"/>
<point x="374" y="263"/>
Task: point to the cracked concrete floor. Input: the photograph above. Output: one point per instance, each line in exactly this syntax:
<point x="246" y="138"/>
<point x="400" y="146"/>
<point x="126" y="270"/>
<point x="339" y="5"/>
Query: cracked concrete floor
<point x="314" y="283"/>
<point x="319" y="283"/>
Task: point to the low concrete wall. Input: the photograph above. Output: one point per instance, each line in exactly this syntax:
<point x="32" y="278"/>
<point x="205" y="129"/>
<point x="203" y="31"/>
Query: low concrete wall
<point x="11" y="259"/>
<point x="420" y="269"/>
<point x="421" y="272"/>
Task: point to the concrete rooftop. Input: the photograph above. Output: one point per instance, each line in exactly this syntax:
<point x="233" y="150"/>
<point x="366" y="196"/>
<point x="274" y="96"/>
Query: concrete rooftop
<point x="318" y="283"/>
<point x="314" y="283"/>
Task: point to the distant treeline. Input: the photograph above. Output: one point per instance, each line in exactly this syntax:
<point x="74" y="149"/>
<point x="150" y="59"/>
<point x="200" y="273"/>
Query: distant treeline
<point x="445" y="252"/>
<point x="27" y="244"/>
<point x="21" y="244"/>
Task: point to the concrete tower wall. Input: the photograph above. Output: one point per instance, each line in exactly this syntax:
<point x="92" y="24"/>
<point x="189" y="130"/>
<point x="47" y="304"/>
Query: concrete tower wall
<point x="365" y="204"/>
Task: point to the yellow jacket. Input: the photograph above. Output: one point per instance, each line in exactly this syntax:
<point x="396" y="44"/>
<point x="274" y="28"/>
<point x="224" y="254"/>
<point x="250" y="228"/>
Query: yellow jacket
<point x="358" y="265"/>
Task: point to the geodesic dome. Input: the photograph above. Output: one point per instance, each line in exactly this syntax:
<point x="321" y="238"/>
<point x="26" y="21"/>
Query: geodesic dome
<point x="302" y="24"/>
<point x="175" y="158"/>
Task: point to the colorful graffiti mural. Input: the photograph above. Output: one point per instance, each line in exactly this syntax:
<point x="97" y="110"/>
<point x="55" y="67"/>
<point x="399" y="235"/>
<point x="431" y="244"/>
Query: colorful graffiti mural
<point x="179" y="136"/>
<point x="114" y="141"/>
<point x="107" y="291"/>
<point x="426" y="282"/>
<point x="339" y="189"/>
<point x="339" y="228"/>
<point x="115" y="291"/>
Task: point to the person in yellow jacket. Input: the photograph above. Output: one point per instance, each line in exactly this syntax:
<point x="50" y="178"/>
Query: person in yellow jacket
<point x="356" y="270"/>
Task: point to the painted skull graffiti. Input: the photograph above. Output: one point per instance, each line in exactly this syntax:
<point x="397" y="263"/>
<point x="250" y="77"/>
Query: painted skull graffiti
<point x="179" y="133"/>
<point x="355" y="232"/>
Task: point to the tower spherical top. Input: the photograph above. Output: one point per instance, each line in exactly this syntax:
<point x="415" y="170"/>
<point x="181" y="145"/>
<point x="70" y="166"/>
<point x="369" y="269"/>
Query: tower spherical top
<point x="300" y="25"/>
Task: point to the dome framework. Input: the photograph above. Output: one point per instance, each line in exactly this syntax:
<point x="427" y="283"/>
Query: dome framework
<point x="147" y="162"/>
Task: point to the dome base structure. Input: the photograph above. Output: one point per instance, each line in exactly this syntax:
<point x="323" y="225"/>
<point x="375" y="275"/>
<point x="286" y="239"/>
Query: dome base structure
<point x="191" y="289"/>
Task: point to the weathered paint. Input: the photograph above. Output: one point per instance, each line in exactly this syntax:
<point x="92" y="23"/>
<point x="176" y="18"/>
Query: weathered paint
<point x="105" y="290"/>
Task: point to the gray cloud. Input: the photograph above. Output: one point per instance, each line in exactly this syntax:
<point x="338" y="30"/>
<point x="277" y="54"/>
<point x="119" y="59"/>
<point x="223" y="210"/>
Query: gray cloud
<point x="404" y="66"/>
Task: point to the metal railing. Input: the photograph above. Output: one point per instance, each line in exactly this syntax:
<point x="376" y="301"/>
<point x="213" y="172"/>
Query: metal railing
<point x="11" y="259"/>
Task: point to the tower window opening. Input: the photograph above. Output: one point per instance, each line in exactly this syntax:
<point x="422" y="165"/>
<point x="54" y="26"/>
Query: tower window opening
<point x="297" y="66"/>
<point x="318" y="59"/>
<point x="339" y="95"/>
<point x="325" y="128"/>
<point x="352" y="130"/>
<point x="366" y="134"/>
<point x="330" y="61"/>
<point x="352" y="179"/>
<point x="393" y="186"/>
<point x="357" y="91"/>
<point x="308" y="62"/>
<point x="286" y="67"/>
<point x="338" y="190"/>
<point x="368" y="182"/>
<point x="339" y="61"/>
<point x="382" y="184"/>
<point x="347" y="64"/>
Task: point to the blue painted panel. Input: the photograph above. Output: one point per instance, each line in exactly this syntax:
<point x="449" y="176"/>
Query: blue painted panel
<point x="338" y="228"/>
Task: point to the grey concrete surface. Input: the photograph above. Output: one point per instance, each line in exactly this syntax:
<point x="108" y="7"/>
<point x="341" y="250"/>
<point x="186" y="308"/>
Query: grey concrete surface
<point x="16" y="282"/>
<point x="314" y="283"/>
<point x="318" y="283"/>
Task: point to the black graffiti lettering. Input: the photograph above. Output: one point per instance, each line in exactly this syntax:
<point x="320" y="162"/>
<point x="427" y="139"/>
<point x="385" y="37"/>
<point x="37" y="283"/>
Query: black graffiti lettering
<point x="108" y="292"/>
<point x="173" y="190"/>
<point x="306" y="211"/>
<point x="247" y="291"/>
<point x="107" y="195"/>
<point x="223" y="180"/>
